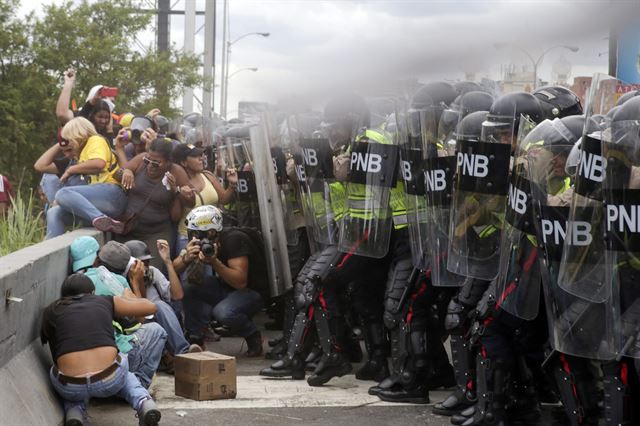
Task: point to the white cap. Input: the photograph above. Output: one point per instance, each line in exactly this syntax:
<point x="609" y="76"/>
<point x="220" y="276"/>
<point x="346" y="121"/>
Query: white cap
<point x="93" y="92"/>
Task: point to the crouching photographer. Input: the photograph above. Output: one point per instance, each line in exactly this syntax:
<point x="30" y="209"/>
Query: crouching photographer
<point x="223" y="266"/>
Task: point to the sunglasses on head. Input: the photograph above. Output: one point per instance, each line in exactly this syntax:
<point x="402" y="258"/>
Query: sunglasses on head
<point x="150" y="162"/>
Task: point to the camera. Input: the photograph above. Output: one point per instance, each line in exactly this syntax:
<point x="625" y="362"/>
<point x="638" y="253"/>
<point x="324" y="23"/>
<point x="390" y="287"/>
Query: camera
<point x="206" y="247"/>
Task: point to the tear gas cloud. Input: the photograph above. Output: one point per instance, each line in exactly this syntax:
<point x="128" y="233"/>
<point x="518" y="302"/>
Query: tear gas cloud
<point x="319" y="47"/>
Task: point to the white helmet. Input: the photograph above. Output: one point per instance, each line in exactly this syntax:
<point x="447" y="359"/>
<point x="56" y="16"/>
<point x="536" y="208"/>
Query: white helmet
<point x="204" y="218"/>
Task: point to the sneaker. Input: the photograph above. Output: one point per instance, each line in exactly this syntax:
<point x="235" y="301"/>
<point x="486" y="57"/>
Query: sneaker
<point x="194" y="348"/>
<point x="106" y="224"/>
<point x="148" y="413"/>
<point x="254" y="344"/>
<point x="195" y="339"/>
<point x="75" y="416"/>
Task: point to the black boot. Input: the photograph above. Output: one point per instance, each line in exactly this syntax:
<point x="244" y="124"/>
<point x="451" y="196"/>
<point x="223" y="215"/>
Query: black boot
<point x="493" y="378"/>
<point x="457" y="401"/>
<point x="286" y="367"/>
<point x="254" y="344"/>
<point x="464" y="396"/>
<point x="313" y="358"/>
<point x="412" y="386"/>
<point x="376" y="367"/>
<point x="386" y="384"/>
<point x="332" y="365"/>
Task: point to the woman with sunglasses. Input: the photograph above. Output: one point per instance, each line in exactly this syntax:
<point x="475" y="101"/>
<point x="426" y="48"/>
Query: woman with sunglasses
<point x="53" y="165"/>
<point x="153" y="197"/>
<point x="203" y="187"/>
<point x="102" y="198"/>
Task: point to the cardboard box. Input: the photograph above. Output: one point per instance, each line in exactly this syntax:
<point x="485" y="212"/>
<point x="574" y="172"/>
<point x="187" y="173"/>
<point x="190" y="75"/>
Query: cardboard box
<point x="205" y="375"/>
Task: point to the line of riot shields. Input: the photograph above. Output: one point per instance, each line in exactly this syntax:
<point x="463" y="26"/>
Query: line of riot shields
<point x="546" y="209"/>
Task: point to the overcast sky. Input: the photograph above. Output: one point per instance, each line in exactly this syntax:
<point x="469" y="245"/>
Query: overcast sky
<point x="319" y="46"/>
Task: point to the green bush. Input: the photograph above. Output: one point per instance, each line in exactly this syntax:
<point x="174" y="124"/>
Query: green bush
<point x="22" y="226"/>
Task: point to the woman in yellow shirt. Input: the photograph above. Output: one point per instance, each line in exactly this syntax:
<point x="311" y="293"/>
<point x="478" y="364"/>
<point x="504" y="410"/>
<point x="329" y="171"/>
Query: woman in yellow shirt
<point x="203" y="189"/>
<point x="99" y="201"/>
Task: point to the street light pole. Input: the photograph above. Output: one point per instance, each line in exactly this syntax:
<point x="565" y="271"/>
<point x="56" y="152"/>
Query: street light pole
<point x="536" y="62"/>
<point x="226" y="84"/>
<point x="224" y="91"/>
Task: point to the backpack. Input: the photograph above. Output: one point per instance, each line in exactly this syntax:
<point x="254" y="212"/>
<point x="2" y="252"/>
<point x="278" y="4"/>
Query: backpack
<point x="259" y="269"/>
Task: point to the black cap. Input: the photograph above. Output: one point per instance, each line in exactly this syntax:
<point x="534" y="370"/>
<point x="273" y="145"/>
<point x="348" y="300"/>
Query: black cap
<point x="182" y="151"/>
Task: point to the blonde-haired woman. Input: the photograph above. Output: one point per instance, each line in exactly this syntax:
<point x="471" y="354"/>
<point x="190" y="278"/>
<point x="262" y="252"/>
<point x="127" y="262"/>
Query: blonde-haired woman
<point x="99" y="201"/>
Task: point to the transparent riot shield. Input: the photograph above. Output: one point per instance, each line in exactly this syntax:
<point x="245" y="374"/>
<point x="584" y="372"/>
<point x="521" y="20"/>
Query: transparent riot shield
<point x="518" y="282"/>
<point x="576" y="326"/>
<point x="479" y="201"/>
<point x="236" y="153"/>
<point x="366" y="227"/>
<point x="582" y="270"/>
<point x="412" y="160"/>
<point x="621" y="194"/>
<point x="300" y="189"/>
<point x="285" y="194"/>
<point x="322" y="197"/>
<point x="271" y="210"/>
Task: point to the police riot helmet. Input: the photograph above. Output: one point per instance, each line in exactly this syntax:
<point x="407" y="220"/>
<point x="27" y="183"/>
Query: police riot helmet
<point x="475" y="101"/>
<point x="139" y="249"/>
<point x="556" y="135"/>
<point x="624" y="98"/>
<point x="204" y="218"/>
<point x="625" y="126"/>
<point x="575" y="124"/>
<point x="463" y="87"/>
<point x="437" y="93"/>
<point x="558" y="101"/>
<point x="503" y="119"/>
<point x="470" y="127"/>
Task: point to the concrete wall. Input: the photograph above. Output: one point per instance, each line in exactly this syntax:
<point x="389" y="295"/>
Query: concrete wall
<point x="33" y="274"/>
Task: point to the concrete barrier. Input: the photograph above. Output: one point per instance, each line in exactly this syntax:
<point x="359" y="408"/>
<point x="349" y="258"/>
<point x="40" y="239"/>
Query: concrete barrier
<point x="33" y="274"/>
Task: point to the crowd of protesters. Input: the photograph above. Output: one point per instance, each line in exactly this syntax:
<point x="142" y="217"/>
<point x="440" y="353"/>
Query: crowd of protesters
<point x="120" y="317"/>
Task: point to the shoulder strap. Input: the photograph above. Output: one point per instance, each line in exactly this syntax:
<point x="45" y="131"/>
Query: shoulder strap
<point x="205" y="173"/>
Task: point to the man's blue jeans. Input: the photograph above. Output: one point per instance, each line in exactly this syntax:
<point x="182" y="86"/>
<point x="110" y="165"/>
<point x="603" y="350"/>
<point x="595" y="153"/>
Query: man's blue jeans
<point x="166" y="317"/>
<point x="148" y="345"/>
<point x="122" y="383"/>
<point x="84" y="203"/>
<point x="214" y="300"/>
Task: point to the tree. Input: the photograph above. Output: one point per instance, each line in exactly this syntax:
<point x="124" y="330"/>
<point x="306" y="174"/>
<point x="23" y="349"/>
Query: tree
<point x="98" y="40"/>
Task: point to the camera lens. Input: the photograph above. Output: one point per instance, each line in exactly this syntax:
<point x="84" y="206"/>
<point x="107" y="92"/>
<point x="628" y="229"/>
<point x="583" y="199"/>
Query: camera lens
<point x="206" y="247"/>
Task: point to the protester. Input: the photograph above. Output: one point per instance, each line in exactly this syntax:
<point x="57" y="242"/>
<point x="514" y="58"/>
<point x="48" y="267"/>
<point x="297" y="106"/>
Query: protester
<point x="154" y="201"/>
<point x="6" y="194"/>
<point x="99" y="201"/>
<point x="107" y="268"/>
<point x="53" y="165"/>
<point x="87" y="362"/>
<point x="230" y="296"/>
<point x="162" y="292"/>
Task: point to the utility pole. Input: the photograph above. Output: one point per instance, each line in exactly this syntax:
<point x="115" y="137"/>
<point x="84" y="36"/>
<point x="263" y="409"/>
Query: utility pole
<point x="189" y="47"/>
<point x="163" y="25"/>
<point x="208" y="71"/>
<point x="225" y="14"/>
